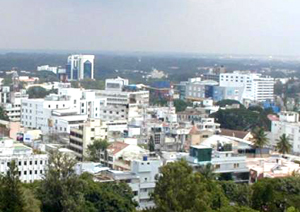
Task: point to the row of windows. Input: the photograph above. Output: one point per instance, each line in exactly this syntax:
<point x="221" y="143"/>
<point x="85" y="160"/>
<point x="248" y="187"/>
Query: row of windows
<point x="30" y="172"/>
<point x="31" y="162"/>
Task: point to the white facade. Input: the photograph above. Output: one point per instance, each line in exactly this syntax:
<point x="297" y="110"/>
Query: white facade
<point x="47" y="68"/>
<point x="289" y="124"/>
<point x="80" y="67"/>
<point x="256" y="87"/>
<point x="116" y="84"/>
<point x="11" y="102"/>
<point x="30" y="166"/>
<point x="146" y="170"/>
<point x="75" y="105"/>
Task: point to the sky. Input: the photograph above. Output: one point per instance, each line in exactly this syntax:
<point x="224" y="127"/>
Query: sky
<point x="261" y="27"/>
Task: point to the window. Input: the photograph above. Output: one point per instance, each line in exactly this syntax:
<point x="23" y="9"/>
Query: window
<point x="41" y="162"/>
<point x="93" y="129"/>
<point x="35" y="172"/>
<point x="41" y="172"/>
<point x="20" y="163"/>
<point x="35" y="162"/>
<point x="217" y="166"/>
<point x="236" y="165"/>
<point x="25" y="163"/>
<point x="30" y="172"/>
<point x="25" y="172"/>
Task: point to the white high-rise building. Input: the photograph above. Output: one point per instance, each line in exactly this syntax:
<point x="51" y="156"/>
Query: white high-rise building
<point x="289" y="124"/>
<point x="256" y="87"/>
<point x="72" y="106"/>
<point x="80" y="67"/>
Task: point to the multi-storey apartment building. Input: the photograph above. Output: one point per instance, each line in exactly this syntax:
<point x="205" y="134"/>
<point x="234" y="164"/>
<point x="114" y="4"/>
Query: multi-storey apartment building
<point x="86" y="134"/>
<point x="287" y="123"/>
<point x="31" y="166"/>
<point x="11" y="102"/>
<point x="256" y="87"/>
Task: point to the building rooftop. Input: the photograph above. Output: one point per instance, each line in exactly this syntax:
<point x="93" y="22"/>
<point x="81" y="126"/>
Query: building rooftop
<point x="234" y="133"/>
<point x="116" y="147"/>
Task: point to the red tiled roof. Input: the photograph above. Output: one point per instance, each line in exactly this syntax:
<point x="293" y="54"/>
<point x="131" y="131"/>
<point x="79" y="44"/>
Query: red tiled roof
<point x="116" y="147"/>
<point x="272" y="117"/>
<point x="234" y="133"/>
<point x="194" y="130"/>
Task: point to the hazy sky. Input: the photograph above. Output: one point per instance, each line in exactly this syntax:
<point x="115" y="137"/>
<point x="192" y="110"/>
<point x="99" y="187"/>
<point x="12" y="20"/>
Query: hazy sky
<point x="202" y="26"/>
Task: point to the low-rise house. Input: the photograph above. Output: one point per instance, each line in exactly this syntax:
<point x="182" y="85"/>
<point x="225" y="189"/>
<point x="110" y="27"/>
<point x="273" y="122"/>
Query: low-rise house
<point x="118" y="155"/>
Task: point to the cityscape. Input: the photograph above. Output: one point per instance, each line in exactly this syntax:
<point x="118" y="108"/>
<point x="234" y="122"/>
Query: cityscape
<point x="108" y="126"/>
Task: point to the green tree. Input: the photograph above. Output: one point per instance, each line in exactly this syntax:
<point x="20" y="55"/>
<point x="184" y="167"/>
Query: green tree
<point x="238" y="194"/>
<point x="180" y="189"/>
<point x="95" y="148"/>
<point x="283" y="144"/>
<point x="107" y="197"/>
<point x="277" y="194"/>
<point x="11" y="197"/>
<point x="207" y="171"/>
<point x="32" y="204"/>
<point x="3" y="115"/>
<point x="37" y="92"/>
<point x="61" y="190"/>
<point x="260" y="139"/>
<point x="181" y="105"/>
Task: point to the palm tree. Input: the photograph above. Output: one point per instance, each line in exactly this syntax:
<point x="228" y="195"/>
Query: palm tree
<point x="283" y="144"/>
<point x="259" y="138"/>
<point x="207" y="171"/>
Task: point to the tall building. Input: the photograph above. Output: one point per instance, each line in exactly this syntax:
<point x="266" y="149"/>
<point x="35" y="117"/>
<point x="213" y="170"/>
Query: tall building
<point x="80" y="67"/>
<point x="256" y="87"/>
<point x="86" y="134"/>
<point x="287" y="123"/>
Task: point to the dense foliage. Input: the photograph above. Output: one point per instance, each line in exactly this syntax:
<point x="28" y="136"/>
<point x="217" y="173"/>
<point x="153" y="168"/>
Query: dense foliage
<point x="181" y="105"/>
<point x="182" y="190"/>
<point x="3" y="115"/>
<point x="242" y="118"/>
<point x="95" y="148"/>
<point x="62" y="190"/>
<point x="37" y="92"/>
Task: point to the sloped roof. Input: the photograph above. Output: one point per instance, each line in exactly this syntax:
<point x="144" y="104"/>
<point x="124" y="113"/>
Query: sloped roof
<point x="116" y="147"/>
<point x="234" y="133"/>
<point x="194" y="130"/>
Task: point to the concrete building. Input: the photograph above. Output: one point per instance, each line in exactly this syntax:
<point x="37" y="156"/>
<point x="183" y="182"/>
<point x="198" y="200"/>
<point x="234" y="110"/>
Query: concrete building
<point x="228" y="165"/>
<point x="11" y="102"/>
<point x="234" y="93"/>
<point x="116" y="84"/>
<point x="146" y="169"/>
<point x="80" y="67"/>
<point x="31" y="166"/>
<point x="255" y="86"/>
<point x="199" y="90"/>
<point x="119" y="155"/>
<point x="85" y="135"/>
<point x="288" y="123"/>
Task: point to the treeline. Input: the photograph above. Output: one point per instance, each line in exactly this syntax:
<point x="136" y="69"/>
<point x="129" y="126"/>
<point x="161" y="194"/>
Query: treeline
<point x="243" y="118"/>
<point x="181" y="189"/>
<point x="62" y="190"/>
<point x="178" y="189"/>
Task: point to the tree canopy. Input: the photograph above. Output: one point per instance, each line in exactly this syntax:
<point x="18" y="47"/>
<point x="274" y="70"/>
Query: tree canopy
<point x="242" y="118"/>
<point x="283" y="144"/>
